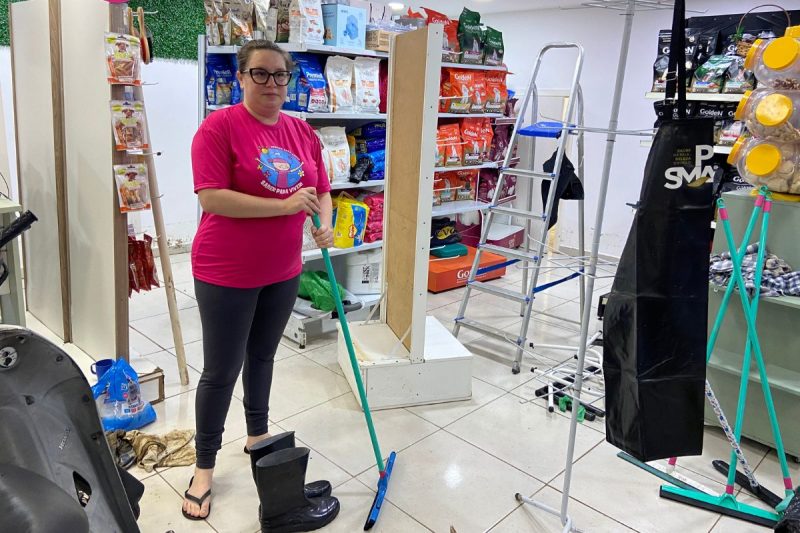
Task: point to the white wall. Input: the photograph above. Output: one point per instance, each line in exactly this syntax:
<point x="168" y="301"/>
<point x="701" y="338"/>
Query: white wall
<point x="172" y="115"/>
<point x="600" y="32"/>
<point x="7" y="115"/>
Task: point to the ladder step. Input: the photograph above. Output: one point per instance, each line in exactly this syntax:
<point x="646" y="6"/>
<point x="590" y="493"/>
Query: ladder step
<point x="498" y="291"/>
<point x="516" y="212"/>
<point x="485" y="329"/>
<point x="508" y="252"/>
<point x="527" y="173"/>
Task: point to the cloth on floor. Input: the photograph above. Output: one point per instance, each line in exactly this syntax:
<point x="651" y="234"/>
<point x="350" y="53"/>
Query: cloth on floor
<point x="778" y="278"/>
<point x="569" y="186"/>
<point x="151" y="451"/>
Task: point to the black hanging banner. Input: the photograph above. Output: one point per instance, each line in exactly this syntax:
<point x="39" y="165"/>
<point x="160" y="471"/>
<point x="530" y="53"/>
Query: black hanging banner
<point x="655" y="321"/>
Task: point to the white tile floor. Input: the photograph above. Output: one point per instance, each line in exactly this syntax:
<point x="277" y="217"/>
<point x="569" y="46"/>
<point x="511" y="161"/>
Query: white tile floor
<point x="459" y="464"/>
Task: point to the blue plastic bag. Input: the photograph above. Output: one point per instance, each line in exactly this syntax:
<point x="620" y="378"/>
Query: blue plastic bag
<point x="119" y="400"/>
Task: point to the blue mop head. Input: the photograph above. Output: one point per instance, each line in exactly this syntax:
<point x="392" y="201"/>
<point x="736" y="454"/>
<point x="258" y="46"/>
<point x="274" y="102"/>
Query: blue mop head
<point x="383" y="484"/>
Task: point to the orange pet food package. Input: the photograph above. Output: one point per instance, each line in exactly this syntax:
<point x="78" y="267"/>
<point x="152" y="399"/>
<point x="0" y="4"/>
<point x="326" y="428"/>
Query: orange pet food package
<point x="497" y="92"/>
<point x="488" y="137"/>
<point x="479" y="93"/>
<point x="450" y="47"/>
<point x="449" y="148"/>
<point x="457" y="90"/>
<point x="473" y="137"/>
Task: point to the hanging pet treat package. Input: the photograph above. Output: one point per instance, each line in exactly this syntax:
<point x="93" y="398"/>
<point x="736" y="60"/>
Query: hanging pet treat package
<point x="128" y="123"/>
<point x="450" y="46"/>
<point x="119" y="400"/>
<point x="305" y="22"/>
<point x="479" y="93"/>
<point x="493" y="47"/>
<point x="334" y="141"/>
<point x="776" y="165"/>
<point x="457" y="91"/>
<point x="711" y="75"/>
<point x="470" y="37"/>
<point x="132" y="187"/>
<point x="240" y="15"/>
<point x="366" y="87"/>
<point x="339" y="74"/>
<point x="123" y="57"/>
<point x="449" y="147"/>
<point x="771" y="114"/>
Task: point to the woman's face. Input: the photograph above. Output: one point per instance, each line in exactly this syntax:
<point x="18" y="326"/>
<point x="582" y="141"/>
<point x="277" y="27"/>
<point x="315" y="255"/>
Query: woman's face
<point x="268" y="98"/>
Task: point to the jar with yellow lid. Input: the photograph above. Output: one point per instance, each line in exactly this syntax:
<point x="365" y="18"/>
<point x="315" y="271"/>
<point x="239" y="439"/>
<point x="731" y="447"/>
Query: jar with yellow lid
<point x="776" y="62"/>
<point x="771" y="114"/>
<point x="760" y="162"/>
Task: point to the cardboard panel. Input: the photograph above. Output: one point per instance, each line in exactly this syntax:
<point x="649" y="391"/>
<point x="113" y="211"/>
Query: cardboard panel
<point x="90" y="190"/>
<point x="33" y="106"/>
<point x="415" y="67"/>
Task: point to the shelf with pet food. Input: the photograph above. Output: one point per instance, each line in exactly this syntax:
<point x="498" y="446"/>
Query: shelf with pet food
<point x="468" y="66"/>
<point x="700" y="97"/>
<point x="360" y="185"/>
<point x="490" y="164"/>
<point x="458" y="207"/>
<point x="308" y="48"/>
<point x="471" y="115"/>
<point x="311" y="255"/>
<point x="304" y="115"/>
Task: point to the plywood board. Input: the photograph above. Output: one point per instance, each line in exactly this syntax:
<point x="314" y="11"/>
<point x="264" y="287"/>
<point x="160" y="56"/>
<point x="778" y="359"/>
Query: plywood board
<point x="36" y="168"/>
<point x="415" y="65"/>
<point x="91" y="191"/>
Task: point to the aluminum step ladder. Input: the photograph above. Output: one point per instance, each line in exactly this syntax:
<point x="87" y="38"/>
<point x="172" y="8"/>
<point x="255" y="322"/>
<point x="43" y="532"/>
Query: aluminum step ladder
<point x="530" y="257"/>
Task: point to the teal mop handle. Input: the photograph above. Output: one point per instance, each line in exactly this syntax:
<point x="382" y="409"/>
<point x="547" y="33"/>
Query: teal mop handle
<point x="746" y="362"/>
<point x="723" y="307"/>
<point x="753" y="334"/>
<point x="337" y="298"/>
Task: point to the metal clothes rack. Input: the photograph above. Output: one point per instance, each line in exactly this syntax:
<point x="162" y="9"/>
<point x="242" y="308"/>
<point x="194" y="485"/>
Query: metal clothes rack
<point x="590" y="270"/>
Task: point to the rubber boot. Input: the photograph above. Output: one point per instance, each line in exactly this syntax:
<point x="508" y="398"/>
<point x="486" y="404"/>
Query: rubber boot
<point x="315" y="489"/>
<point x="280" y="478"/>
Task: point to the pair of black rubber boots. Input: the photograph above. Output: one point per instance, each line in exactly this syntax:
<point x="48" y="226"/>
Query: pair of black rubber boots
<point x="287" y="503"/>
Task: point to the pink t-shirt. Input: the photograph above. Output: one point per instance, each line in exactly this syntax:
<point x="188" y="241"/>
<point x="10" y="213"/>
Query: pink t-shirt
<point x="233" y="150"/>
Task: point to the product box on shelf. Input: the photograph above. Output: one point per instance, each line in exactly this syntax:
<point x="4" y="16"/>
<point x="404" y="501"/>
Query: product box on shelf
<point x="345" y="26"/>
<point x="379" y="39"/>
<point x="446" y="274"/>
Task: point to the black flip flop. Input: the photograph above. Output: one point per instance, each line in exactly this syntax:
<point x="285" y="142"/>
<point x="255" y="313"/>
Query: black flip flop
<point x="199" y="501"/>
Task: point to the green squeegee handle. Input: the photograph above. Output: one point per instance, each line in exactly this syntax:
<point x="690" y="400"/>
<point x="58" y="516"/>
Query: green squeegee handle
<point x="337" y="299"/>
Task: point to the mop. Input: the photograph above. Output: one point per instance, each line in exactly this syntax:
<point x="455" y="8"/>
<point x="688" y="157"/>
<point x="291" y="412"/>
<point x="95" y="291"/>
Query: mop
<point x="385" y="469"/>
<point x="726" y="503"/>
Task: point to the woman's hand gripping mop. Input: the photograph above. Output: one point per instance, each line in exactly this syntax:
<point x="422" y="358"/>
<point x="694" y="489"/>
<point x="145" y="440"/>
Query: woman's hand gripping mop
<point x="385" y="470"/>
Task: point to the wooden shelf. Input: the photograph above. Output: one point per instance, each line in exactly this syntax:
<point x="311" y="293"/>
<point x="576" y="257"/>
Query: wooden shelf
<point x="471" y="115"/>
<point x="457" y="207"/>
<point x="468" y="66"/>
<point x="491" y="164"/>
<point x="701" y="97"/>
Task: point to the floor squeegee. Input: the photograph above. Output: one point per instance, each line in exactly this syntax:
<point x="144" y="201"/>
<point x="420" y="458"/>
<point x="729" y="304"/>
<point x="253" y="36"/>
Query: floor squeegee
<point x="385" y="469"/>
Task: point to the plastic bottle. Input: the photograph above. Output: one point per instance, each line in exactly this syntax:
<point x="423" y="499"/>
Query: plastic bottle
<point x="776" y="62"/>
<point x="760" y="162"/>
<point x="771" y="114"/>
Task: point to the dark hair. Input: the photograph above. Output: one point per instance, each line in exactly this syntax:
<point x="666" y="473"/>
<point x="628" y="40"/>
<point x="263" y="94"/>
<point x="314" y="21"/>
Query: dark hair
<point x="243" y="56"/>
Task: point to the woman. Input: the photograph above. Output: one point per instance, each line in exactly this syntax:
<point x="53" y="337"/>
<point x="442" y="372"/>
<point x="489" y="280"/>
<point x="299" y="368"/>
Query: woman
<point x="258" y="174"/>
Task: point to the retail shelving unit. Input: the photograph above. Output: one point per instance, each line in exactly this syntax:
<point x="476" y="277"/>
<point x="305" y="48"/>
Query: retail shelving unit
<point x="302" y="327"/>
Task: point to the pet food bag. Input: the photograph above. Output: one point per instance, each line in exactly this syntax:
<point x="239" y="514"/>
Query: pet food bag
<point x="470" y="37"/>
<point x="449" y="147"/>
<point x="351" y="222"/>
<point x="373" y="130"/>
<point x="487" y="135"/>
<point x="305" y="22"/>
<point x="479" y="92"/>
<point x="366" y="85"/>
<point x="450" y="48"/>
<point x="383" y="86"/>
<point x="119" y="400"/>
<point x="308" y="91"/>
<point x="472" y="137"/>
<point x="493" y="47"/>
<point x="710" y="76"/>
<point x="220" y="75"/>
<point x="240" y="17"/>
<point x="339" y="73"/>
<point x="266" y="20"/>
<point x="496" y="92"/>
<point x="351" y="143"/>
<point x="213" y="22"/>
<point x="128" y="123"/>
<point x="365" y="146"/>
<point x="337" y="152"/>
<point x="132" y="187"/>
<point x="456" y="91"/>
<point x="123" y="57"/>
<point x="284" y="25"/>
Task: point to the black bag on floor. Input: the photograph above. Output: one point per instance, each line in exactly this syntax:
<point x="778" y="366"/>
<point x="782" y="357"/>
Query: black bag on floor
<point x="655" y="323"/>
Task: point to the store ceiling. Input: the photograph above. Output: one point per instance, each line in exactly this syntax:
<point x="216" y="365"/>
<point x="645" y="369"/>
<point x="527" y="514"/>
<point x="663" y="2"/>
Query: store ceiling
<point x="452" y="8"/>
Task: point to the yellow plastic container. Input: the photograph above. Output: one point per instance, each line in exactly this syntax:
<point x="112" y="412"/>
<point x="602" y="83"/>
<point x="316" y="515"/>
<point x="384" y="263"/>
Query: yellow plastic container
<point x="760" y="162"/>
<point x="771" y="114"/>
<point x="776" y="62"/>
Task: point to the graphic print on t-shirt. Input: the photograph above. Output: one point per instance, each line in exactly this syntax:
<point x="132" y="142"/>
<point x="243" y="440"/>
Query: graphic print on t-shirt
<point x="282" y="170"/>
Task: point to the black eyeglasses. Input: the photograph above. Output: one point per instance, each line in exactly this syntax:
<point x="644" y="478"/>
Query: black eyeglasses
<point x="261" y="76"/>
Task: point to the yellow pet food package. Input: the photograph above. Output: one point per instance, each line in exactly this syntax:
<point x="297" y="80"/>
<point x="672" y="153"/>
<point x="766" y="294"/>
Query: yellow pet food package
<point x="349" y="221"/>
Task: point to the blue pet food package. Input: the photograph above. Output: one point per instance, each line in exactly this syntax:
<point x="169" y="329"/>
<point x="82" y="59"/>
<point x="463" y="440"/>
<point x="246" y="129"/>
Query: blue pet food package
<point x="119" y="400"/>
<point x="309" y="92"/>
<point x="345" y="26"/>
<point x="373" y="130"/>
<point x="293" y="90"/>
<point x="365" y="146"/>
<point x="378" y="159"/>
<point x="220" y="75"/>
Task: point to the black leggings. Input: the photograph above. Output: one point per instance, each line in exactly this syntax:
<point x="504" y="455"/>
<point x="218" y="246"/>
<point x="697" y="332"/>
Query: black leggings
<point x="240" y="326"/>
